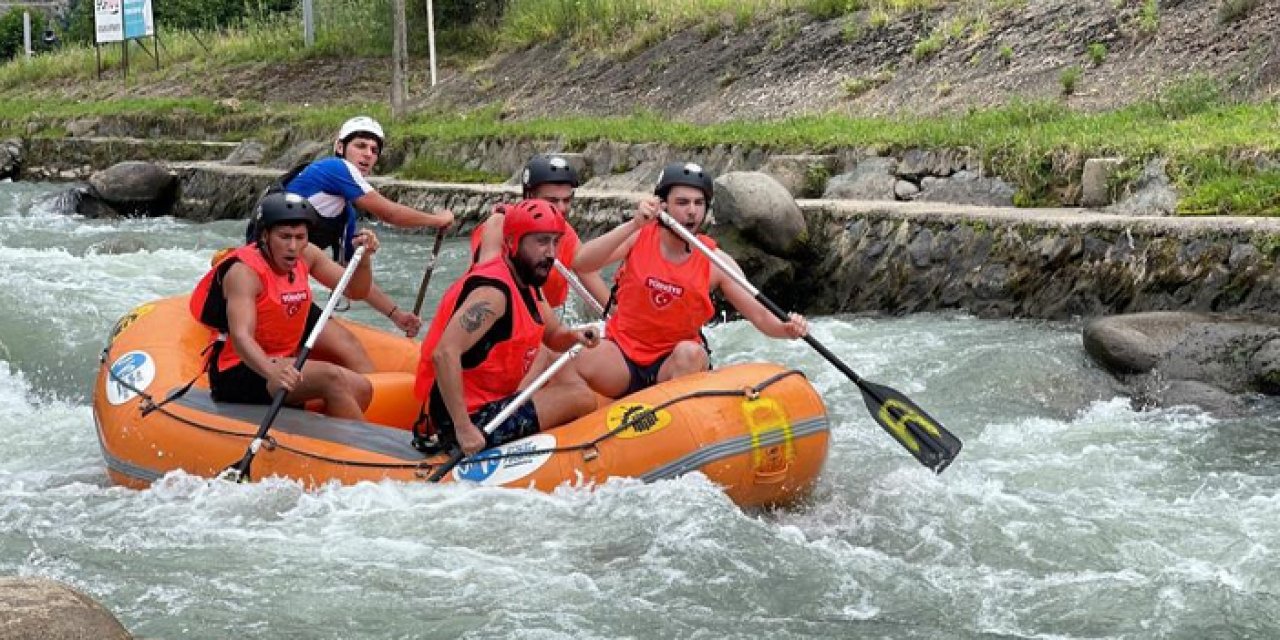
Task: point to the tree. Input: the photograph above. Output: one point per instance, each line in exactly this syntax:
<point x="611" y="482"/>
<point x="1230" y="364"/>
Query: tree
<point x="11" y="31"/>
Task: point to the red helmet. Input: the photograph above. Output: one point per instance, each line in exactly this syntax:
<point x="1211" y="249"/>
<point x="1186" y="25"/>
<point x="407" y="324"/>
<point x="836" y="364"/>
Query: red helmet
<point x="530" y="216"/>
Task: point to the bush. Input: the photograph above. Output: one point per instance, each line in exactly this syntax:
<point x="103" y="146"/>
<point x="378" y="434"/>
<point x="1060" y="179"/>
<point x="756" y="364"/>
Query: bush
<point x="11" y="31"/>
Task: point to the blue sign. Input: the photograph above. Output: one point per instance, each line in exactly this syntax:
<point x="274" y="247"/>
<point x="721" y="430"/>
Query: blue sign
<point x="137" y="19"/>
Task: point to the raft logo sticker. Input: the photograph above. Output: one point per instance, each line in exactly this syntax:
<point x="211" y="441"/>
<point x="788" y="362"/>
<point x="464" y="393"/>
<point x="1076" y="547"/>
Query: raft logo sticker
<point x="133" y="370"/>
<point x="643" y="420"/>
<point x="508" y="463"/>
<point x="663" y="293"/>
<point x="128" y="319"/>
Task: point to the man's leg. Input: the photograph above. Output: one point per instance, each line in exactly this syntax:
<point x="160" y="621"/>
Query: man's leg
<point x="604" y="369"/>
<point x="337" y="344"/>
<point x="688" y="357"/>
<point x="346" y="394"/>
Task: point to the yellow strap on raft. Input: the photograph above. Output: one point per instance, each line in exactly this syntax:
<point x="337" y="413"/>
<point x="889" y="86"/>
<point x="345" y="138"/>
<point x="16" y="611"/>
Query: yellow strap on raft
<point x="763" y="415"/>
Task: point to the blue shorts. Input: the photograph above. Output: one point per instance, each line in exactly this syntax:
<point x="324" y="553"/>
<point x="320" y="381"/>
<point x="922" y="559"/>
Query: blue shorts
<point x="522" y="423"/>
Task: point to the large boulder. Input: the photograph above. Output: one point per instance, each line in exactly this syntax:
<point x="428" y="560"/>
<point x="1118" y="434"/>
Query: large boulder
<point x="44" y="609"/>
<point x="762" y="210"/>
<point x="1170" y="357"/>
<point x="136" y="188"/>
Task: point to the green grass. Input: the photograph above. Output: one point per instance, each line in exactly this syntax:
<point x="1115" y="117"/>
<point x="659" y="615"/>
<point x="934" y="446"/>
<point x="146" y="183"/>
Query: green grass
<point x="1209" y="141"/>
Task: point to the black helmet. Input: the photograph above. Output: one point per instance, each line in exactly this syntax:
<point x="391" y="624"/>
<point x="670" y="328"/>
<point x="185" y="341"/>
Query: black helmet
<point x="283" y="207"/>
<point x="547" y="169"/>
<point x="688" y="174"/>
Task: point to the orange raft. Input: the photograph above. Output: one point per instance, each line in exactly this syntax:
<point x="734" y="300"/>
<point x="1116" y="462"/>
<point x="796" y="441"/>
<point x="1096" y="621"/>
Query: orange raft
<point x="758" y="430"/>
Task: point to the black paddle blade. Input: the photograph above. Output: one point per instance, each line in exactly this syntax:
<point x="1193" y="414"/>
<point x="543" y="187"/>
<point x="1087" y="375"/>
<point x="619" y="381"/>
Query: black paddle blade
<point x="917" y="431"/>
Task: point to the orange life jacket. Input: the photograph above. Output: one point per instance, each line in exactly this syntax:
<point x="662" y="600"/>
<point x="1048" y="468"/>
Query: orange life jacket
<point x="281" y="306"/>
<point x="659" y="303"/>
<point x="490" y="370"/>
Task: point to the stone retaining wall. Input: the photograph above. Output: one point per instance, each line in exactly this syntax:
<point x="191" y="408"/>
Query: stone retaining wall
<point x="910" y="257"/>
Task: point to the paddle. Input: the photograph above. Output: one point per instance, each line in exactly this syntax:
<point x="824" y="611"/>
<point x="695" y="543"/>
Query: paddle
<point x="431" y="266"/>
<point x="924" y="437"/>
<point x="456" y="455"/>
<point x="579" y="288"/>
<point x="239" y="471"/>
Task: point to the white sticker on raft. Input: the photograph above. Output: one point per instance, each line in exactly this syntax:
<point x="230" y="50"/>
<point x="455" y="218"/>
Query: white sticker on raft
<point x="490" y="468"/>
<point x="135" y="369"/>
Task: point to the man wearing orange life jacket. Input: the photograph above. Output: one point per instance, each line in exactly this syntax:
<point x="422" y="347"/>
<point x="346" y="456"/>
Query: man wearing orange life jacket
<point x="486" y="335"/>
<point x="663" y="291"/>
<point x="550" y="178"/>
<point x="259" y="294"/>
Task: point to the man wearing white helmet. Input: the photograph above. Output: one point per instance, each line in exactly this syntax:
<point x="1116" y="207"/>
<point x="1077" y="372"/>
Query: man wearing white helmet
<point x="336" y="187"/>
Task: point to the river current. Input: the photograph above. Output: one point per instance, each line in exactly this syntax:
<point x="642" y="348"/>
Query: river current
<point x="1069" y="514"/>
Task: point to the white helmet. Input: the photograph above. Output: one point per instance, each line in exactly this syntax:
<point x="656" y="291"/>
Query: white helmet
<point x="361" y="124"/>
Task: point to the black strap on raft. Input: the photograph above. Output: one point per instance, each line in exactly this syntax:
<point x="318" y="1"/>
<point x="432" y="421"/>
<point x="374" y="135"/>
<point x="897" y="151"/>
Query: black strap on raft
<point x="425" y="438"/>
<point x="650" y="415"/>
<point x="148" y="402"/>
<point x="212" y="350"/>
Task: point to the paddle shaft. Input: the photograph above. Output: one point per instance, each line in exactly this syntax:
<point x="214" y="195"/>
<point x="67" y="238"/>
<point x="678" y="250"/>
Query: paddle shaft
<point x="431" y="266"/>
<point x="456" y="456"/>
<point x="579" y="288"/>
<point x="927" y="440"/>
<point x="240" y="470"/>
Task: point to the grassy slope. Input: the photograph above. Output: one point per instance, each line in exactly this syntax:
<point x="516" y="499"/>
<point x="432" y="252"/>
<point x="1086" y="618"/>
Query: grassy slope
<point x="1223" y="155"/>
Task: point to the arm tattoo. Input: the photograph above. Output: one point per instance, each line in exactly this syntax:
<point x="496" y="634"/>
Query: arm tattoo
<point x="475" y="315"/>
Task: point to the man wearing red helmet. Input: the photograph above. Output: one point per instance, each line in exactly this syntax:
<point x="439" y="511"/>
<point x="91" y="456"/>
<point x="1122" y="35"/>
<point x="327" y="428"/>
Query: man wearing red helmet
<point x="663" y="291"/>
<point x="486" y="334"/>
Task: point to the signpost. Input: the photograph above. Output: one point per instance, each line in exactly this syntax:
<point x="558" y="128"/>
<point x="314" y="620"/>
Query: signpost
<point x="122" y="21"/>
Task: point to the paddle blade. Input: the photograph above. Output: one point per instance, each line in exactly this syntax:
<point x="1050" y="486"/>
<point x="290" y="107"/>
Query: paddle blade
<point x="915" y="430"/>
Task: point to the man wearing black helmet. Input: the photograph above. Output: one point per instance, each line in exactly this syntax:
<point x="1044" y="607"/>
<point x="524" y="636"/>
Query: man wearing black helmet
<point x="550" y="178"/>
<point x="337" y="186"/>
<point x="662" y="294"/>
<point x="259" y="295"/>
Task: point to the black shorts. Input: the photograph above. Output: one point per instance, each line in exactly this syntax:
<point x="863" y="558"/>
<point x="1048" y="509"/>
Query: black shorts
<point x="642" y="376"/>
<point x="238" y="384"/>
<point x="522" y="423"/>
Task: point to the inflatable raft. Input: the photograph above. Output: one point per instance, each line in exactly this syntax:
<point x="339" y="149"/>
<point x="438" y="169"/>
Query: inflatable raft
<point x="758" y="430"/>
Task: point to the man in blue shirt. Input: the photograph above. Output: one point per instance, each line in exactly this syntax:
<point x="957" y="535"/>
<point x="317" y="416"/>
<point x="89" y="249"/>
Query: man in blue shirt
<point x="337" y="186"/>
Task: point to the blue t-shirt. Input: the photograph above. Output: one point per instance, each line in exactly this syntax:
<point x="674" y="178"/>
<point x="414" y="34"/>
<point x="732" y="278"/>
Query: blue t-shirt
<point x="331" y="185"/>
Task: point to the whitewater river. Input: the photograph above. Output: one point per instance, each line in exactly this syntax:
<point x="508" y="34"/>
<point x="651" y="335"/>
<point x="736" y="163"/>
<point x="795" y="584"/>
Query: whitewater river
<point x="1068" y="515"/>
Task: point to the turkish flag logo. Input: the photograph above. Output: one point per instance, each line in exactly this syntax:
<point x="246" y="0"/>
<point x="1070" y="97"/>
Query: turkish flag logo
<point x="663" y="293"/>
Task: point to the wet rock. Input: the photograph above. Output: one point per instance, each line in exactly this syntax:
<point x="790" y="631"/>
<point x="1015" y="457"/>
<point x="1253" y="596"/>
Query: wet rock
<point x="1229" y="353"/>
<point x="44" y="609"/>
<point x="136" y="188"/>
<point x="762" y="209"/>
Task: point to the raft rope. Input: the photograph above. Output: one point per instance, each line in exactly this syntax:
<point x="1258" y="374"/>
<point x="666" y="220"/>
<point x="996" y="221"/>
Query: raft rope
<point x="148" y="405"/>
